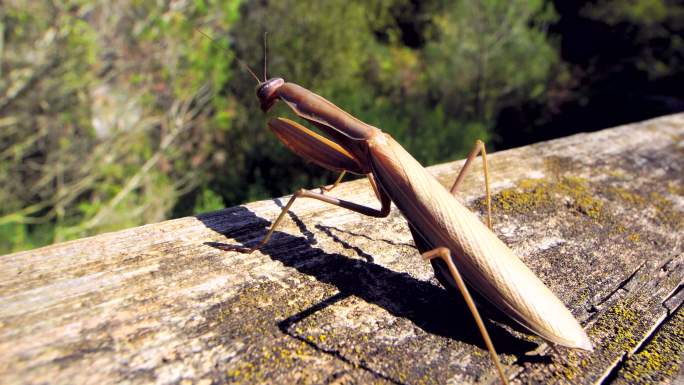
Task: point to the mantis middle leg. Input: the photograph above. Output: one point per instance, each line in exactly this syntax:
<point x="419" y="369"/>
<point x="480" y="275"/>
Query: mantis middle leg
<point x="478" y="148"/>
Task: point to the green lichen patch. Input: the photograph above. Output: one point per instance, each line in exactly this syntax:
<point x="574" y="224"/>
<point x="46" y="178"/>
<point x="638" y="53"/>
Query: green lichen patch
<point x="557" y="166"/>
<point x="620" y="328"/>
<point x="528" y="194"/>
<point x="574" y="366"/>
<point x="650" y="203"/>
<point x="614" y="333"/>
<point x="531" y="194"/>
<point x="592" y="201"/>
<point x="634" y="237"/>
<point x="666" y="212"/>
<point x="250" y="322"/>
<point x="309" y="338"/>
<point x="626" y="196"/>
<point x="661" y="358"/>
<point x="624" y="320"/>
<point x="584" y="200"/>
<point x="675" y="188"/>
<point x="348" y="331"/>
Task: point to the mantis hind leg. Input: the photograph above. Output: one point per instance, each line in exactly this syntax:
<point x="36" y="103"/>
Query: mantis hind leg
<point x="444" y="254"/>
<point x="382" y="212"/>
<point x="478" y="148"/>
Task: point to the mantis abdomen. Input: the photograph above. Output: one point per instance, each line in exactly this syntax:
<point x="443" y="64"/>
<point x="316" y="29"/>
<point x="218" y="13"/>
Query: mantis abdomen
<point x="487" y="264"/>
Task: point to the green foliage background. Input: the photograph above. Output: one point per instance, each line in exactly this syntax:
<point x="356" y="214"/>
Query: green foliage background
<point x="116" y="114"/>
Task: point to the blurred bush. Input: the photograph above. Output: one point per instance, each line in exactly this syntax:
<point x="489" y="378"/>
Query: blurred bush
<point x="108" y="112"/>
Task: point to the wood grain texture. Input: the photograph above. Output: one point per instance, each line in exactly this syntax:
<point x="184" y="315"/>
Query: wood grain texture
<point x="340" y="298"/>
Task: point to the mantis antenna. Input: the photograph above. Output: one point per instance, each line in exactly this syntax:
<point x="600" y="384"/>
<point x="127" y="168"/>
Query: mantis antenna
<point x="265" y="58"/>
<point x="236" y="58"/>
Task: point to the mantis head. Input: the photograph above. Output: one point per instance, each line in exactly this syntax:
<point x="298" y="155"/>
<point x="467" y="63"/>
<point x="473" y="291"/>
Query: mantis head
<point x="266" y="92"/>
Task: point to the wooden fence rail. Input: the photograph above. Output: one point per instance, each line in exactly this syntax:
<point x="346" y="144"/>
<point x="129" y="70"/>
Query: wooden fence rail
<point x="341" y="298"/>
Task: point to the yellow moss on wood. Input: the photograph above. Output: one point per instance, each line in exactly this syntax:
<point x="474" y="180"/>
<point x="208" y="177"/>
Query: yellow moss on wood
<point x="527" y="195"/>
<point x="534" y="193"/>
<point x="627" y="196"/>
<point x="617" y="327"/>
<point x="666" y="211"/>
<point x="661" y="358"/>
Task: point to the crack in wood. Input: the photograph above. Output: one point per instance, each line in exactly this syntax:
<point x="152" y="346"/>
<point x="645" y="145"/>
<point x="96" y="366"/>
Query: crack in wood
<point x="672" y="296"/>
<point x="596" y="306"/>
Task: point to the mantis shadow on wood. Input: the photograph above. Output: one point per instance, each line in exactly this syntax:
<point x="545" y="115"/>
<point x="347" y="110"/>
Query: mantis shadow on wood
<point x="428" y="306"/>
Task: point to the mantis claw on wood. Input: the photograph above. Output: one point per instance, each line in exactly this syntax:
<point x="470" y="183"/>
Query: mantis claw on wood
<point x="459" y="246"/>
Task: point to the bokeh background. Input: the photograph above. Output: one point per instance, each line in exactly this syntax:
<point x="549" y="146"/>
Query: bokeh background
<point x="116" y="114"/>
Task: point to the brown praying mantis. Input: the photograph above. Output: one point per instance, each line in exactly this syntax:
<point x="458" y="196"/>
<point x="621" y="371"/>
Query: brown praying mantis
<point x="457" y="244"/>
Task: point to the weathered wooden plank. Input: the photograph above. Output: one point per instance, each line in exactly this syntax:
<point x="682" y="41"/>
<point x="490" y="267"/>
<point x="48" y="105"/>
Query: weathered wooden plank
<point x="339" y="298"/>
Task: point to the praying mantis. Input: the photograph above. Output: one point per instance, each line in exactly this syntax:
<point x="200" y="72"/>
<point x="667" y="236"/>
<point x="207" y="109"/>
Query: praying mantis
<point x="460" y="247"/>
